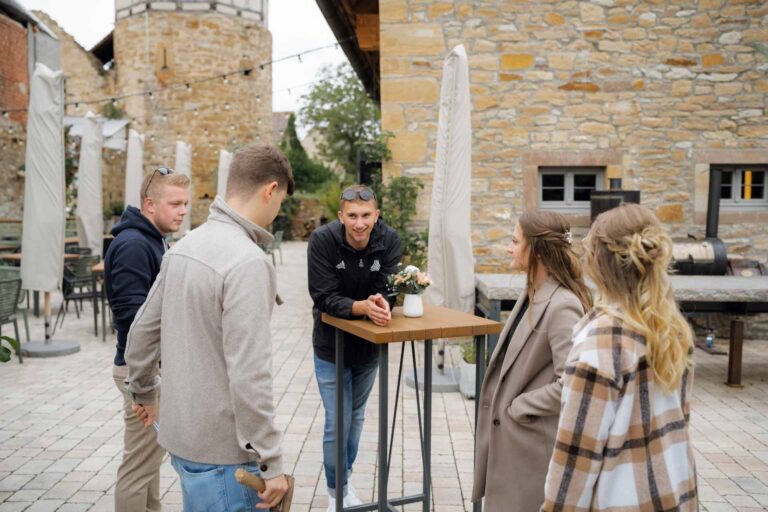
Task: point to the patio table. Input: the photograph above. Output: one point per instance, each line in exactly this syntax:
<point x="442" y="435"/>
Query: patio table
<point x="437" y="322"/>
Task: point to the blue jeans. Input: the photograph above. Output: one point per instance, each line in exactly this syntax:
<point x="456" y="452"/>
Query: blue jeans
<point x="358" y="382"/>
<point x="213" y="488"/>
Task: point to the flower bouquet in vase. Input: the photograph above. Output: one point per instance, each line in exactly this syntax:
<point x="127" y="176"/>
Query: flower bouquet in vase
<point x="411" y="282"/>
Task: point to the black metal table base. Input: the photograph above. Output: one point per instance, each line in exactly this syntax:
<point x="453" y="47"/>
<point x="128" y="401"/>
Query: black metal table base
<point x="383" y="503"/>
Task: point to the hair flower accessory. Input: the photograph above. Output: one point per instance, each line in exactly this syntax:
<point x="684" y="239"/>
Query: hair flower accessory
<point x="568" y="237"/>
<point x="409" y="280"/>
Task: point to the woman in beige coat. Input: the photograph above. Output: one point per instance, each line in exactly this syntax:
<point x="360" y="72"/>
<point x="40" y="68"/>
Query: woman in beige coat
<point x="520" y="396"/>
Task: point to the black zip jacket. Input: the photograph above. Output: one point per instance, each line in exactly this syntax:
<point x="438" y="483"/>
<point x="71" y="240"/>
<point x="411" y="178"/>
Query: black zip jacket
<point x="340" y="275"/>
<point x="131" y="265"/>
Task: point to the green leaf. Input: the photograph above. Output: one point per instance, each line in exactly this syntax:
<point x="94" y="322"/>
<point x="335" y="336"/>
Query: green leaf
<point x="5" y="354"/>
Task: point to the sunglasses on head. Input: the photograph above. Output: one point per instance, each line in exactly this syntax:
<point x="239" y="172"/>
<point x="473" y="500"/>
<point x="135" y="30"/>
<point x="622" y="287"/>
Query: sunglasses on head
<point x="163" y="171"/>
<point x="365" y="194"/>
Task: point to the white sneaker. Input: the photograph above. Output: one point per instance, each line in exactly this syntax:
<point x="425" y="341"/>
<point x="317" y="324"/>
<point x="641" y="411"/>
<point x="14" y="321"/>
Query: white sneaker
<point x="331" y="504"/>
<point x="351" y="499"/>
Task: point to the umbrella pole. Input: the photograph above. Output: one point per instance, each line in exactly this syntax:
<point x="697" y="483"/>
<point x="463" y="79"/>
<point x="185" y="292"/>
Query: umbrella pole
<point x="47" y="316"/>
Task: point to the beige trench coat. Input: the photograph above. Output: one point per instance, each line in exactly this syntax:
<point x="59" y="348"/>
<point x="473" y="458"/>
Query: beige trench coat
<point x="520" y="403"/>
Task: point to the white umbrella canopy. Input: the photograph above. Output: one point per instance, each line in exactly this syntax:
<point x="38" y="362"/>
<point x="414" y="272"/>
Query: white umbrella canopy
<point x="90" y="217"/>
<point x="225" y="158"/>
<point x="184" y="166"/>
<point x="134" y="163"/>
<point x="42" y="239"/>
<point x="450" y="260"/>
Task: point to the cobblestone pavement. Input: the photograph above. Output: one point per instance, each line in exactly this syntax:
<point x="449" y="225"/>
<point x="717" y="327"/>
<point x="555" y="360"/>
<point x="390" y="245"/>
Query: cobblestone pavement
<point x="61" y="430"/>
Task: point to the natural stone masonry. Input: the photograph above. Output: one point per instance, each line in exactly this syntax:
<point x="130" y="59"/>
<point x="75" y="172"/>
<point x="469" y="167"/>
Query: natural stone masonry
<point x="652" y="82"/>
<point x="161" y="47"/>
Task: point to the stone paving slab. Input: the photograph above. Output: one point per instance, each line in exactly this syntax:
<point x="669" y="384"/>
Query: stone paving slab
<point x="61" y="429"/>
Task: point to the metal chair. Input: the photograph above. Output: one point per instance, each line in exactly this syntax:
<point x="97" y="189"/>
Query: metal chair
<point x="274" y="246"/>
<point x="7" y="272"/>
<point x="78" y="277"/>
<point x="10" y="289"/>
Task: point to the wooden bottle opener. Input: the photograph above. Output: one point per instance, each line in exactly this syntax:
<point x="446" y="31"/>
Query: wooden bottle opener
<point x="256" y="482"/>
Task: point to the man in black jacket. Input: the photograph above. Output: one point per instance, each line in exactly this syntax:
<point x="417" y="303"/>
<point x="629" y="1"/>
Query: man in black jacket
<point x="349" y="261"/>
<point x="131" y="265"/>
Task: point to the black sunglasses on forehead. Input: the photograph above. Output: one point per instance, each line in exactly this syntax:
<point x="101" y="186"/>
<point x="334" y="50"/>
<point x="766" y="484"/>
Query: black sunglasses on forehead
<point x="163" y="171"/>
<point x="365" y="194"/>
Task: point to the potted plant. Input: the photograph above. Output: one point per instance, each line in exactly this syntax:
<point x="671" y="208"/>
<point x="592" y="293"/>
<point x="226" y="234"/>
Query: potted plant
<point x="467" y="368"/>
<point x="411" y="282"/>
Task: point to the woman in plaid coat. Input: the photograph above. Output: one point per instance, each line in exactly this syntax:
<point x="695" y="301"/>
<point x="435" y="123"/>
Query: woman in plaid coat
<point x="520" y="397"/>
<point x="623" y="441"/>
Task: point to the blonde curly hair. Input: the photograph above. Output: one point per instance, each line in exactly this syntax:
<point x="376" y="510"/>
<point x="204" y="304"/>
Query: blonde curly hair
<point x="628" y="254"/>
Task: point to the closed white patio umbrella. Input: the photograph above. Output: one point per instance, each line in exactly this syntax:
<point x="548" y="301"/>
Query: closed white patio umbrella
<point x="42" y="240"/>
<point x="450" y="262"/>
<point x="90" y="217"/>
<point x="225" y="158"/>
<point x="184" y="166"/>
<point x="134" y="169"/>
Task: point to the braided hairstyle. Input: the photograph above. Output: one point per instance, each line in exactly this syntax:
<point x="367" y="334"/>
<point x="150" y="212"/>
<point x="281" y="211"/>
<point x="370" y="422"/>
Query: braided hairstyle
<point x="548" y="235"/>
<point x="628" y="255"/>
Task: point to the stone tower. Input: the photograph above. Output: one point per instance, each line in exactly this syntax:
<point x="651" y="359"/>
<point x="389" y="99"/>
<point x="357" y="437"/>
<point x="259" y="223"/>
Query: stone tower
<point x="176" y="45"/>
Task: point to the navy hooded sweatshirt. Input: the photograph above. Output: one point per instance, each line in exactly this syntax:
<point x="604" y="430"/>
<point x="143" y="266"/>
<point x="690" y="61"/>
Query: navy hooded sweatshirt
<point x="131" y="265"/>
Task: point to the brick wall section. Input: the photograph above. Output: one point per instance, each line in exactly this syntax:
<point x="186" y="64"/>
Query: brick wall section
<point x="186" y="46"/>
<point x="14" y="93"/>
<point x="651" y="82"/>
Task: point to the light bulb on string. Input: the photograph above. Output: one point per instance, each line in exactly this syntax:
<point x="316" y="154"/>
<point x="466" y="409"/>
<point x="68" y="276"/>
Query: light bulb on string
<point x="226" y="106"/>
<point x="231" y="127"/>
<point x="189" y="88"/>
<point x="151" y="95"/>
<point x="5" y="114"/>
<point x="298" y="56"/>
<point x="258" y="98"/>
<point x="225" y="78"/>
<point x="196" y="111"/>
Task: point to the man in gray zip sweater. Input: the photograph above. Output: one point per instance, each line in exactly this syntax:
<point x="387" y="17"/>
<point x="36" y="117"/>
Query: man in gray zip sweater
<point x="208" y="313"/>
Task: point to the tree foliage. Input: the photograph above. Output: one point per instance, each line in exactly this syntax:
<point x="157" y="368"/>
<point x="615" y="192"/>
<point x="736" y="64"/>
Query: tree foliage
<point x="346" y="118"/>
<point x="309" y="175"/>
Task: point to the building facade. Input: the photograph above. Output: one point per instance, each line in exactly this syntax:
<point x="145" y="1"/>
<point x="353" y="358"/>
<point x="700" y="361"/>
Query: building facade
<point x="569" y="95"/>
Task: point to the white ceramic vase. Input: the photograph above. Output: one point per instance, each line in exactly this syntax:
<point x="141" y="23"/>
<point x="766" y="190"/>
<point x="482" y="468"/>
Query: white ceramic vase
<point x="413" y="306"/>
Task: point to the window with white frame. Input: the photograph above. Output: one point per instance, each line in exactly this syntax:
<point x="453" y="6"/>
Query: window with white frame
<point x="568" y="188"/>
<point x="743" y="186"/>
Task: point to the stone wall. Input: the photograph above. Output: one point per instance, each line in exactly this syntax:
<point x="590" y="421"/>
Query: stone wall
<point x="185" y="46"/>
<point x="84" y="78"/>
<point x="653" y="91"/>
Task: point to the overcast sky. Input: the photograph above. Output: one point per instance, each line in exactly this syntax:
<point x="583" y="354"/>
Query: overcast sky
<point x="296" y="26"/>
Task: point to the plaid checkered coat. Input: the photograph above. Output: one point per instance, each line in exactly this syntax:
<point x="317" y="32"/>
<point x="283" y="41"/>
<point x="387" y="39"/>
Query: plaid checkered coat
<point x="622" y="443"/>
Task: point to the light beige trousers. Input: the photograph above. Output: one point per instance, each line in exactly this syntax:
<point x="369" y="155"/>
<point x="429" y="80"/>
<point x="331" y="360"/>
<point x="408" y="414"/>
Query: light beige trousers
<point x="138" y="477"/>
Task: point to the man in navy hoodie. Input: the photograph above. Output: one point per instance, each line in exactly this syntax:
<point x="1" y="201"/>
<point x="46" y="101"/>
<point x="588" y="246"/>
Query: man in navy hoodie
<point x="130" y="268"/>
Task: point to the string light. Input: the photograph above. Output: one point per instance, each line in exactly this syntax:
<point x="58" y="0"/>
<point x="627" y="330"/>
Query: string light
<point x="189" y="87"/>
<point x="172" y="86"/>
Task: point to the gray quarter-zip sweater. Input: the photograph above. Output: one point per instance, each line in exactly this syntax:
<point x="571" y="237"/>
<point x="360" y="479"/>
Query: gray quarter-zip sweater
<point x="207" y="317"/>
